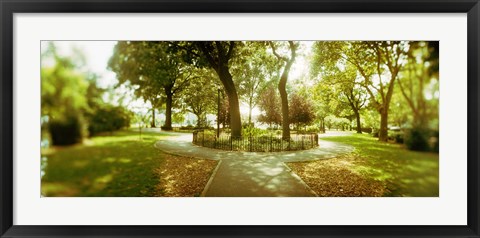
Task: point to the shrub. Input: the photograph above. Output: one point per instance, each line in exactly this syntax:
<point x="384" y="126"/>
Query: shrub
<point x="66" y="132"/>
<point x="375" y="132"/>
<point x="312" y="129"/>
<point x="252" y="131"/>
<point x="397" y="136"/>
<point x="434" y="141"/>
<point x="417" y="139"/>
<point x="188" y="127"/>
<point x="247" y="125"/>
<point x="108" y="118"/>
<point x="166" y="128"/>
<point x="367" y="130"/>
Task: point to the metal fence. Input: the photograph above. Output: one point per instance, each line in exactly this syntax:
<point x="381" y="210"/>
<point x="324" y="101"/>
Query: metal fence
<point x="262" y="143"/>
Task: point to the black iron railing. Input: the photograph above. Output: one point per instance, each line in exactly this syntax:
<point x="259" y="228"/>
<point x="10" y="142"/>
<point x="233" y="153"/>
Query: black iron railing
<point x="260" y="143"/>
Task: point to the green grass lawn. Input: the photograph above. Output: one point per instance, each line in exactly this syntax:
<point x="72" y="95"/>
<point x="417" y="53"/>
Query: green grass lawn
<point x="404" y="172"/>
<point x="117" y="164"/>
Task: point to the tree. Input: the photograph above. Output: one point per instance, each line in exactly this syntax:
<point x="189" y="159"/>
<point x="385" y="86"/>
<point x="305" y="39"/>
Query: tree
<point x="378" y="62"/>
<point x="419" y="78"/>
<point x="400" y="113"/>
<point x="224" y="115"/>
<point x="141" y="118"/>
<point x="152" y="68"/>
<point x="269" y="104"/>
<point x="178" y="118"/>
<point x="371" y="119"/>
<point x="321" y="97"/>
<point x="349" y="93"/>
<point x="332" y="121"/>
<point x="63" y="99"/>
<point x="288" y="62"/>
<point x="301" y="111"/>
<point x="389" y="56"/>
<point x="251" y="69"/>
<point x="101" y="116"/>
<point x="198" y="95"/>
<point x="216" y="55"/>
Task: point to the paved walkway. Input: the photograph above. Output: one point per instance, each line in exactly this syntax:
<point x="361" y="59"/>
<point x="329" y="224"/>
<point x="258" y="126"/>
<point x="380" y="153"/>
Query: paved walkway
<point x="252" y="174"/>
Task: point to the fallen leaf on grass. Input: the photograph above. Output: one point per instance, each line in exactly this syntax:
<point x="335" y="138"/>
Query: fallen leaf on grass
<point x="334" y="178"/>
<point x="183" y="177"/>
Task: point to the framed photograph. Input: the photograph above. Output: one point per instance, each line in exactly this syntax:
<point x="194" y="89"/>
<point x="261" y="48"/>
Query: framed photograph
<point x="257" y="119"/>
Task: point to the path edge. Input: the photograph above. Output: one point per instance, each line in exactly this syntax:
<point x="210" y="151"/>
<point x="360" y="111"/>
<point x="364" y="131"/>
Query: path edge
<point x="299" y="178"/>
<point x="179" y="155"/>
<point x="210" y="180"/>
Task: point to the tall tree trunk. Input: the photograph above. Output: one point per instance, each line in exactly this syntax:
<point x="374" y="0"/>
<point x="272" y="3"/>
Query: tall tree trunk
<point x="199" y="120"/>
<point x="250" y="111"/>
<point x="359" y="126"/>
<point x="234" y="105"/>
<point x="283" y="92"/>
<point x="282" y="87"/>
<point x="383" y="133"/>
<point x="322" y="125"/>
<point x="153" y="118"/>
<point x="284" y="98"/>
<point x="218" y="60"/>
<point x="168" y="112"/>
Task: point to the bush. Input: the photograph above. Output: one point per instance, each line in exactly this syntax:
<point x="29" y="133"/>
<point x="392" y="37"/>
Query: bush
<point x="375" y="133"/>
<point x="166" y="128"/>
<point x="252" y="131"/>
<point x="434" y="141"/>
<point x="203" y="128"/>
<point x="248" y="125"/>
<point x="66" y="132"/>
<point x="107" y="119"/>
<point x="397" y="136"/>
<point x="367" y="130"/>
<point x="417" y="139"/>
<point x="188" y="127"/>
<point x="311" y="129"/>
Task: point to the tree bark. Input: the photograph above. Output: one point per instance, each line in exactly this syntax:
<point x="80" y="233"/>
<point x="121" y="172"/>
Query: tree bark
<point x="383" y="133"/>
<point x="218" y="60"/>
<point x="322" y="124"/>
<point x="284" y="98"/>
<point x="234" y="105"/>
<point x="250" y="111"/>
<point x="201" y="120"/>
<point x="359" y="126"/>
<point x="282" y="88"/>
<point x="153" y="118"/>
<point x="168" y="112"/>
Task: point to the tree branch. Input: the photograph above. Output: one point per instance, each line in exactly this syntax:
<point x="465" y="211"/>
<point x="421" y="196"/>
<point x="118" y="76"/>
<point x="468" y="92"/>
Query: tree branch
<point x="203" y="47"/>
<point x="275" y="52"/>
<point x="230" y="49"/>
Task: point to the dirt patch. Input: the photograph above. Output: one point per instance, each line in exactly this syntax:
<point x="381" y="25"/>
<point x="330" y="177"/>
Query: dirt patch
<point x="184" y="177"/>
<point x="335" y="178"/>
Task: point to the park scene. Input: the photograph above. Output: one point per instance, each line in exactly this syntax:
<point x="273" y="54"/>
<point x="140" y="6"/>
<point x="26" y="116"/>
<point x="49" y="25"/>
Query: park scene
<point x="239" y="119"/>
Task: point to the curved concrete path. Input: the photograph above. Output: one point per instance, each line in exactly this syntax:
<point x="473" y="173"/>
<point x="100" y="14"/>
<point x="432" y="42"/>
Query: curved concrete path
<point x="252" y="174"/>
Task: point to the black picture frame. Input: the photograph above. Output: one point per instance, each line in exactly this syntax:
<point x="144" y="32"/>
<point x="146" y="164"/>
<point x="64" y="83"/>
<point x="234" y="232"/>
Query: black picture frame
<point x="10" y="7"/>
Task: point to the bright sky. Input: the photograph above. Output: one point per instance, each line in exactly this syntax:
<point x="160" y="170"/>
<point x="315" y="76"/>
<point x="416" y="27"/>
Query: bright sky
<point x="97" y="54"/>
